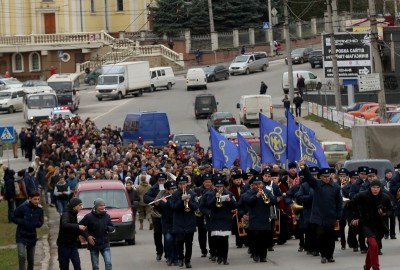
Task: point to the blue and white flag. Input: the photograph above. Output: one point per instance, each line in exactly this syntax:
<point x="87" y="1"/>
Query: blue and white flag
<point x="272" y="140"/>
<point x="302" y="144"/>
<point x="247" y="156"/>
<point x="224" y="152"/>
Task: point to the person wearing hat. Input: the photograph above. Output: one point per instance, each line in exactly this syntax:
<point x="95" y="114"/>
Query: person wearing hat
<point x="354" y="190"/>
<point x="258" y="201"/>
<point x="274" y="188"/>
<point x="155" y="192"/>
<point x="391" y="219"/>
<point x="164" y="207"/>
<point x="184" y="205"/>
<point x="343" y="175"/>
<point x="235" y="188"/>
<point x="68" y="234"/>
<point x="348" y="210"/>
<point x="99" y="227"/>
<point x="30" y="181"/>
<point x="372" y="174"/>
<point x="326" y="210"/>
<point x="28" y="217"/>
<point x="202" y="234"/>
<point x="304" y="197"/>
<point x="370" y="207"/>
<point x="219" y="203"/>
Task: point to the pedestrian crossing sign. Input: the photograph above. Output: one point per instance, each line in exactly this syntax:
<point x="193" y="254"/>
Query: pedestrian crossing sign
<point x="7" y="134"/>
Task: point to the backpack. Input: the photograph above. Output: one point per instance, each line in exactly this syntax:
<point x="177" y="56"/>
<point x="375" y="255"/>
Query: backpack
<point x="17" y="188"/>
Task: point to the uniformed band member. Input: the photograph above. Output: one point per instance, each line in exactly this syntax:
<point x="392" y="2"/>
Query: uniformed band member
<point x="345" y="186"/>
<point x="218" y="204"/>
<point x="326" y="210"/>
<point x="164" y="207"/>
<point x="156" y="192"/>
<point x="235" y="188"/>
<point x="370" y="207"/>
<point x="184" y="205"/>
<point x="258" y="201"/>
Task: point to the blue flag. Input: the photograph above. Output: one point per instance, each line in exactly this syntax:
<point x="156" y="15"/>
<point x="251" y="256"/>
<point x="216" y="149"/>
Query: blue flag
<point x="247" y="156"/>
<point x="224" y="152"/>
<point x="302" y="144"/>
<point x="272" y="140"/>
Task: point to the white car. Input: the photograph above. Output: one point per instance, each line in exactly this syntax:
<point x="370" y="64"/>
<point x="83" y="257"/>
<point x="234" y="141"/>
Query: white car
<point x="11" y="82"/>
<point x="230" y="131"/>
<point x="61" y="112"/>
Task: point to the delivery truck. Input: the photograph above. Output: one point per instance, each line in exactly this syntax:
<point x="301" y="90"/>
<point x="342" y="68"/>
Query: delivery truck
<point x="123" y="79"/>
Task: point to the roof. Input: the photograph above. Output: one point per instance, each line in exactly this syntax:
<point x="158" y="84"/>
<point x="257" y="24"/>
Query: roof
<point x="99" y="184"/>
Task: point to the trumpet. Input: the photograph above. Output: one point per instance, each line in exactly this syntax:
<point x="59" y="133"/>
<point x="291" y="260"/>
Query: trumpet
<point x="264" y="196"/>
<point x="186" y="202"/>
<point x="218" y="202"/>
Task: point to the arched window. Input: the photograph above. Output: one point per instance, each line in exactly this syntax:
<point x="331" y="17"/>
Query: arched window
<point x="34" y="61"/>
<point x="17" y="62"/>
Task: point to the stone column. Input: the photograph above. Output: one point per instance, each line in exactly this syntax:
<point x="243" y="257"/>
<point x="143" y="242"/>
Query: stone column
<point x="299" y="32"/>
<point x="313" y="26"/>
<point x="188" y="40"/>
<point x="214" y="41"/>
<point x="235" y="33"/>
<point x="251" y="36"/>
<point x="121" y="34"/>
<point x="143" y="35"/>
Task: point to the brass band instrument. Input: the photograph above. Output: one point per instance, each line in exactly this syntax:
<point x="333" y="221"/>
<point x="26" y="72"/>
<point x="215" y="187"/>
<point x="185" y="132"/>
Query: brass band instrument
<point x="241" y="224"/>
<point x="159" y="199"/>
<point x="186" y="202"/>
<point x="218" y="202"/>
<point x="155" y="213"/>
<point x="198" y="213"/>
<point x="296" y="208"/>
<point x="264" y="196"/>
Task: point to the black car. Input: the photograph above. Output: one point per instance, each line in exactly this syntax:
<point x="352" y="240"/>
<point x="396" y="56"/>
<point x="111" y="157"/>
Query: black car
<point x="185" y="141"/>
<point x="214" y="73"/>
<point x="315" y="58"/>
<point x="300" y="55"/>
<point x="219" y="119"/>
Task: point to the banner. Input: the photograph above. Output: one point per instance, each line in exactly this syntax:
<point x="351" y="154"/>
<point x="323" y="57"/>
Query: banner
<point x="272" y="140"/>
<point x="224" y="152"/>
<point x="247" y="156"/>
<point x="302" y="144"/>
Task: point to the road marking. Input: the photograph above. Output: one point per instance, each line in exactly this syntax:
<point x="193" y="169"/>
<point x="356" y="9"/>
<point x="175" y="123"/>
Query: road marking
<point x="116" y="107"/>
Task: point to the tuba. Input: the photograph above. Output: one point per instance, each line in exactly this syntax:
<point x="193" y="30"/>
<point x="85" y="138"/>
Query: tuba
<point x="264" y="196"/>
<point x="186" y="202"/>
<point x="218" y="202"/>
<point x="296" y="208"/>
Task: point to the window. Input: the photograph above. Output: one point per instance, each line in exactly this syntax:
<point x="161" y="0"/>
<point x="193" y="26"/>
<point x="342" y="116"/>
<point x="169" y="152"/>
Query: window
<point x="17" y="63"/>
<point x="120" y="5"/>
<point x="92" y="7"/>
<point x="34" y="61"/>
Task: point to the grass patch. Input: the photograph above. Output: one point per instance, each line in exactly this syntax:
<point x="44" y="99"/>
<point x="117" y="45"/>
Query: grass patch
<point x="9" y="258"/>
<point x="332" y="126"/>
<point x="7" y="230"/>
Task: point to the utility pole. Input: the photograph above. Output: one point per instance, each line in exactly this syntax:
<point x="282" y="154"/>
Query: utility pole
<point x="106" y="14"/>
<point x="288" y="50"/>
<point x="335" y="70"/>
<point x="270" y="32"/>
<point x="377" y="60"/>
<point x="210" y="14"/>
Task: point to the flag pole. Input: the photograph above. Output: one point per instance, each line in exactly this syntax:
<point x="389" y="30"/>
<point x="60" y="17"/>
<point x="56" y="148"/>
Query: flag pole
<point x="301" y="141"/>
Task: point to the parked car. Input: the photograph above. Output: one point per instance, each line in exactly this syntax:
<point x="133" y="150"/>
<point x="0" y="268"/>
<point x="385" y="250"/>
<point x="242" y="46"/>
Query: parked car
<point x="300" y="55"/>
<point x="363" y="108"/>
<point x="395" y="118"/>
<point x="219" y="119"/>
<point x="230" y="131"/>
<point x="380" y="164"/>
<point x="315" y="58"/>
<point x="214" y="73"/>
<point x="390" y="115"/>
<point x="34" y="83"/>
<point x="10" y="82"/>
<point x="374" y="111"/>
<point x="335" y="152"/>
<point x="185" y="140"/>
<point x="355" y="106"/>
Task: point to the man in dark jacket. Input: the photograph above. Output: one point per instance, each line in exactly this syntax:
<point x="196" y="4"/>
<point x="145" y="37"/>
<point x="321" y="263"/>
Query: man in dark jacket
<point x="184" y="205"/>
<point x="68" y="234"/>
<point x="263" y="88"/>
<point x="28" y="216"/>
<point x="298" y="100"/>
<point x="370" y="207"/>
<point x="99" y="225"/>
<point x="326" y="209"/>
<point x="30" y="181"/>
<point x="9" y="191"/>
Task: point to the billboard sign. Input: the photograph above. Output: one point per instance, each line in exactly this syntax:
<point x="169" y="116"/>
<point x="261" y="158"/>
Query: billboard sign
<point x="353" y="52"/>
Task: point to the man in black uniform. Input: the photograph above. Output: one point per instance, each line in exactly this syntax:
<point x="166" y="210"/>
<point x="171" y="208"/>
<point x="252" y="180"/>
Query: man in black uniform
<point x="154" y="193"/>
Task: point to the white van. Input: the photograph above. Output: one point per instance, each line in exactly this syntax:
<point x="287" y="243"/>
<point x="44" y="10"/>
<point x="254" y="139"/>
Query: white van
<point x="249" y="62"/>
<point x="11" y="100"/>
<point x="196" y="78"/>
<point x="251" y="105"/>
<point x="311" y="80"/>
<point x="162" y="77"/>
<point x="66" y="86"/>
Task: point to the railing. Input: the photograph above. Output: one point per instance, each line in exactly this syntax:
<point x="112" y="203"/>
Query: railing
<point x="120" y="56"/>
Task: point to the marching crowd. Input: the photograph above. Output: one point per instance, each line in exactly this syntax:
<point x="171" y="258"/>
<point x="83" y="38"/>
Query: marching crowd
<point x="262" y="209"/>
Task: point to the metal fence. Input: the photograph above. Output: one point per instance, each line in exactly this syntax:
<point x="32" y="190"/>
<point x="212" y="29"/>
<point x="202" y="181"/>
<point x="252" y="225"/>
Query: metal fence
<point x="225" y="40"/>
<point x="320" y="25"/>
<point x="260" y="36"/>
<point x="244" y="37"/>
<point x="201" y="42"/>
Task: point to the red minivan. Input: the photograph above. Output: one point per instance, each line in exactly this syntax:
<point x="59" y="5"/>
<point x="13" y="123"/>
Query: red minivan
<point x="118" y="206"/>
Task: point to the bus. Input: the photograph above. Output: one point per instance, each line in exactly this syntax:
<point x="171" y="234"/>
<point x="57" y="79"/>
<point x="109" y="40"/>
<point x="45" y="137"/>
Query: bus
<point x="66" y="87"/>
<point x="38" y="105"/>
